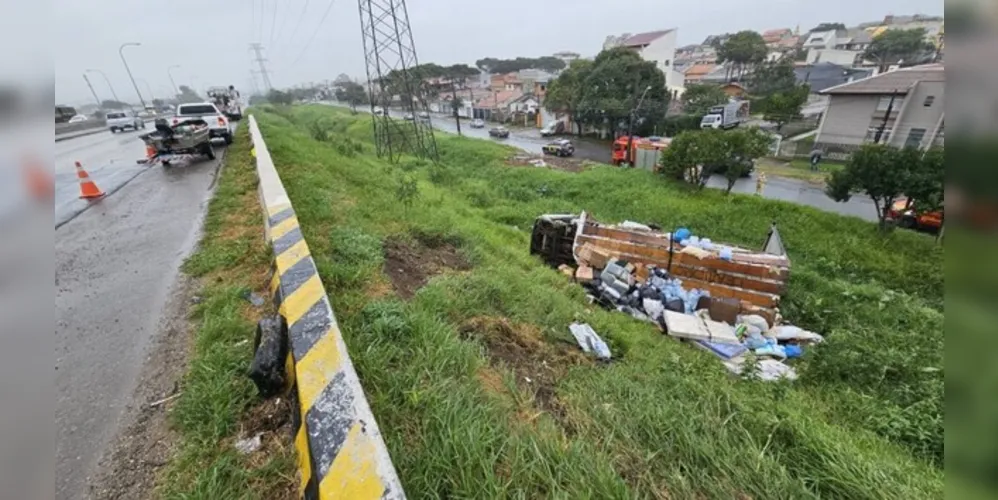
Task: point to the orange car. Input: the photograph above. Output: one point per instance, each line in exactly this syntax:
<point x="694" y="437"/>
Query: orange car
<point x="909" y="216"/>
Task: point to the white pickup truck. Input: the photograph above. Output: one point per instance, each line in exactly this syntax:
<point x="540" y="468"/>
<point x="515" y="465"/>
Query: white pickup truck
<point x="227" y="101"/>
<point x="218" y="123"/>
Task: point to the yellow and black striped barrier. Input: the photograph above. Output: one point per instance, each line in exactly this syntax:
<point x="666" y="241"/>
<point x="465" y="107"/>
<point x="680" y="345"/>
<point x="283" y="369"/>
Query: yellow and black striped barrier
<point x="341" y="453"/>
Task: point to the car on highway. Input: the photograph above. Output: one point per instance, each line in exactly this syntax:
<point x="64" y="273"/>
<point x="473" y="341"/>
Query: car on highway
<point x="559" y="147"/>
<point x="499" y="132"/>
<point x="78" y="119"/>
<point x="478" y="123"/>
<point x="218" y="123"/>
<point x="118" y="121"/>
<point x="408" y="116"/>
<point x="424" y="115"/>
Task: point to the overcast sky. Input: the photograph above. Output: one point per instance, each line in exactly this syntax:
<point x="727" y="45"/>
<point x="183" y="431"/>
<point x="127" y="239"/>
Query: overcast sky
<point x="210" y="39"/>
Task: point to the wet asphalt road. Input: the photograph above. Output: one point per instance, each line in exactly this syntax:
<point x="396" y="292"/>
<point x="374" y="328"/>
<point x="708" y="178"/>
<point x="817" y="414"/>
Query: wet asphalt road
<point x="115" y="264"/>
<point x="791" y="190"/>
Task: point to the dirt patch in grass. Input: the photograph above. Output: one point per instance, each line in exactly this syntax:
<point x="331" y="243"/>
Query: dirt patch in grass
<point x="555" y="162"/>
<point x="537" y="364"/>
<point x="410" y="263"/>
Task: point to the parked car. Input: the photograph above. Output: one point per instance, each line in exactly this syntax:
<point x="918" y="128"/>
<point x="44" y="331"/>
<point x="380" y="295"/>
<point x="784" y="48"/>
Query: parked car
<point x="424" y="115"/>
<point x="559" y="147"/>
<point x="378" y="110"/>
<point x="408" y="116"/>
<point x="553" y="128"/>
<point x="78" y="119"/>
<point x="748" y="167"/>
<point x="218" y="123"/>
<point x="118" y="121"/>
<point x="500" y="132"/>
<point x="478" y="123"/>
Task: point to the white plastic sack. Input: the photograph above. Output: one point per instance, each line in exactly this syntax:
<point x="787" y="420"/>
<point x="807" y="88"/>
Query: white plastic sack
<point x="753" y="320"/>
<point x="589" y="341"/>
<point x="790" y="332"/>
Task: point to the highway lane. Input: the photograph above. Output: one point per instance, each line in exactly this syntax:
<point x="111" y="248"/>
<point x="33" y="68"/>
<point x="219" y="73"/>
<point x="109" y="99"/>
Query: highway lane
<point x="115" y="268"/>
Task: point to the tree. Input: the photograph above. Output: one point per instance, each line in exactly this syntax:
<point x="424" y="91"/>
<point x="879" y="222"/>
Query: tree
<point x="280" y="97"/>
<point x="615" y="85"/>
<point x="771" y="77"/>
<point x="742" y="50"/>
<point x="744" y="145"/>
<point x="159" y="103"/>
<point x="187" y="95"/>
<point x="351" y="93"/>
<point x="565" y="93"/>
<point x="784" y="106"/>
<point x="881" y="172"/>
<point x="546" y="63"/>
<point x="897" y="46"/>
<point x="692" y="155"/>
<point x="699" y="98"/>
<point x="828" y="27"/>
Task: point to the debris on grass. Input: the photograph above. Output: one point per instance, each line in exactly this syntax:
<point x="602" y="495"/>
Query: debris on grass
<point x="410" y="263"/>
<point x="249" y="445"/>
<point x="589" y="341"/>
<point x="718" y="296"/>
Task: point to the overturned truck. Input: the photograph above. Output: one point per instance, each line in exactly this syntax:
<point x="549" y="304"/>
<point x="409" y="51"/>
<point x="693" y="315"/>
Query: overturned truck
<point x="755" y="279"/>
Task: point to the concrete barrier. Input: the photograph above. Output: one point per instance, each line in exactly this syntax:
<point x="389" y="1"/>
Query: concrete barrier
<point x="341" y="453"/>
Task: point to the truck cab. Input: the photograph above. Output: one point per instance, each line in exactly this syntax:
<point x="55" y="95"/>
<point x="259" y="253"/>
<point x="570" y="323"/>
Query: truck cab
<point x="711" y="121"/>
<point x="218" y="123"/>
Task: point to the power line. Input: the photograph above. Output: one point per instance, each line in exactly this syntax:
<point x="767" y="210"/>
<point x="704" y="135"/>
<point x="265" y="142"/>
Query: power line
<point x="316" y="32"/>
<point x="273" y="21"/>
<point x="252" y="18"/>
<point x="301" y="17"/>
<point x="284" y="22"/>
<point x="260" y="30"/>
<point x="258" y="50"/>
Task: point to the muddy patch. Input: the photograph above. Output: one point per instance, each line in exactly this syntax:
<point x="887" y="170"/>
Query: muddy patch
<point x="410" y="263"/>
<point x="537" y="364"/>
<point x="570" y="164"/>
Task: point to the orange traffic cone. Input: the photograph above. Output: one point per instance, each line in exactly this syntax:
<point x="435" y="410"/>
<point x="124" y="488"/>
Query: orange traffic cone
<point x="39" y="181"/>
<point x="87" y="187"/>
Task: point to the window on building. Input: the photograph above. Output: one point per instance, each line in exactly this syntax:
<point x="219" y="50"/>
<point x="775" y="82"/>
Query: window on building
<point x="915" y="137"/>
<point x="871" y="135"/>
<point x="885" y="102"/>
<point x="929" y="100"/>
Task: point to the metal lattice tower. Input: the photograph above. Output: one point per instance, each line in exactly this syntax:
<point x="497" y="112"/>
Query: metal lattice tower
<point x="257" y="49"/>
<point x="390" y="56"/>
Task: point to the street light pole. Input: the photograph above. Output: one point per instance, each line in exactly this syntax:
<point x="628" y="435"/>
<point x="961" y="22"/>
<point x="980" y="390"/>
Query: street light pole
<point x="630" y="127"/>
<point x="148" y="89"/>
<point x="176" y="91"/>
<point x="92" y="90"/>
<point x="106" y="80"/>
<point x="129" y="71"/>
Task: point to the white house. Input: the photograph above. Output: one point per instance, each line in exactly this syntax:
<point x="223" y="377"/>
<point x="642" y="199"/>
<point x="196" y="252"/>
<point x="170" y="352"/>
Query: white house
<point x="658" y="47"/>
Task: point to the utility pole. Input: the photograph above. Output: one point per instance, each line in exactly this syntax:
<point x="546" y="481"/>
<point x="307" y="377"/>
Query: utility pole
<point x="176" y="91"/>
<point x="257" y="49"/>
<point x="108" y="82"/>
<point x="92" y="91"/>
<point x="453" y="105"/>
<point x="129" y="71"/>
<point x="630" y="125"/>
<point x="887" y="116"/>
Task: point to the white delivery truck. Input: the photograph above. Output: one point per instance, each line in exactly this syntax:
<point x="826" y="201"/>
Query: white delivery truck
<point x="726" y="116"/>
<point x="227" y="100"/>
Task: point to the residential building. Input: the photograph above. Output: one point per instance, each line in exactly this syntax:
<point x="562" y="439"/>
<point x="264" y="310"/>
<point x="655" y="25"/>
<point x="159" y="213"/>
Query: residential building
<point x="697" y="72"/>
<point x="505" y="81"/>
<point x="774" y="37"/>
<point x="658" y="47"/>
<point x="734" y="90"/>
<point x="908" y="104"/>
<point x="822" y="76"/>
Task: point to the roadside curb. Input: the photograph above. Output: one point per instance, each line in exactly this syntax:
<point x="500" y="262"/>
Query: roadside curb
<point x="341" y="453"/>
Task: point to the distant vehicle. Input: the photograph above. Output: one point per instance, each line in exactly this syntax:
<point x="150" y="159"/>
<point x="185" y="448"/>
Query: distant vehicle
<point x="118" y="121"/>
<point x="64" y="113"/>
<point x="378" y="110"/>
<point x="78" y="119"/>
<point x="559" y="147"/>
<point x="408" y="116"/>
<point x="553" y="128"/>
<point x="645" y="151"/>
<point x="478" y="123"/>
<point x="424" y="115"/>
<point x="226" y="99"/>
<point x="748" y="166"/>
<point x="500" y="132"/>
<point x="726" y="116"/>
<point x="218" y="123"/>
<point x="910" y="217"/>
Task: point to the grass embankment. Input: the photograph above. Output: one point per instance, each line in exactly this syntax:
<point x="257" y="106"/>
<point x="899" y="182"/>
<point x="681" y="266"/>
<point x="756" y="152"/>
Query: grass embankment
<point x="218" y="403"/>
<point x="480" y="392"/>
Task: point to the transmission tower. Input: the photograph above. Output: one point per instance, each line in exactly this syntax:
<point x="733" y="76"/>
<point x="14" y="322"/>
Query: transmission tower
<point x="390" y="56"/>
<point x="258" y="50"/>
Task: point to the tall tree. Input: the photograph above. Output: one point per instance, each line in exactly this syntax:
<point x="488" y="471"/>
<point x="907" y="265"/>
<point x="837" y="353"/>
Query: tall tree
<point x="615" y="86"/>
<point x="741" y="52"/>
<point x="565" y="93"/>
<point x="188" y="94"/>
<point x="744" y="146"/>
<point x="784" y="106"/>
<point x="351" y="93"/>
<point x="881" y="172"/>
<point x="546" y="63"/>
<point x="699" y="98"/>
<point x="771" y="77"/>
<point x="692" y="154"/>
<point x="899" y="46"/>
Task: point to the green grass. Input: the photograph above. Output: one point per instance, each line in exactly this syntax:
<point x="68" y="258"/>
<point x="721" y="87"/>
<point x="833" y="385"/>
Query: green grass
<point x="216" y="395"/>
<point x="797" y="169"/>
<point x="662" y="421"/>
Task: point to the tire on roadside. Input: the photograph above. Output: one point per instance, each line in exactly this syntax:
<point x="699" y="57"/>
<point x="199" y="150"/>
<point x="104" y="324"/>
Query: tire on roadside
<point x="228" y="138"/>
<point x="209" y="151"/>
